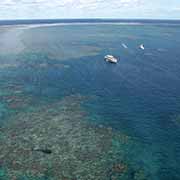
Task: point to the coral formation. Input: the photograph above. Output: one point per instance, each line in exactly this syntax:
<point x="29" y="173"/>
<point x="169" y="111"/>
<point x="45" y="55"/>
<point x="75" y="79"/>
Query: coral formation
<point x="79" y="150"/>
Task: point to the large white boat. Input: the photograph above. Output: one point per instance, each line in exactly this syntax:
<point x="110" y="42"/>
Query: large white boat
<point x="110" y="58"/>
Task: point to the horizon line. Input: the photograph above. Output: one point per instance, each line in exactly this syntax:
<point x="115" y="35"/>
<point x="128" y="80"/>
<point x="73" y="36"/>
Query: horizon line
<point x="24" y="19"/>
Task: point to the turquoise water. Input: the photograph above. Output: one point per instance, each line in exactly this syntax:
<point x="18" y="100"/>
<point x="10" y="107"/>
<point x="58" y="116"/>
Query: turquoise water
<point x="139" y="96"/>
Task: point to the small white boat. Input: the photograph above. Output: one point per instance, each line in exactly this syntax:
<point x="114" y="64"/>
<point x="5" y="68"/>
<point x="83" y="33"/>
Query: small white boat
<point x="142" y="47"/>
<point x="110" y="58"/>
<point x="124" y="46"/>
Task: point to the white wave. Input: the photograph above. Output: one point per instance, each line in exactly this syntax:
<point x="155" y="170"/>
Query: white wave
<point x="30" y="26"/>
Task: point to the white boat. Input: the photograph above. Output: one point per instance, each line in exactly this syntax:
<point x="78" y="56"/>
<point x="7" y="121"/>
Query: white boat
<point x="124" y="46"/>
<point x="110" y="58"/>
<point x="142" y="47"/>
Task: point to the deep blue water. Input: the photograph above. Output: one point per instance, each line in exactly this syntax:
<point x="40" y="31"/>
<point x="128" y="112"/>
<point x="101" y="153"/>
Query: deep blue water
<point x="140" y="95"/>
<point x="100" y="20"/>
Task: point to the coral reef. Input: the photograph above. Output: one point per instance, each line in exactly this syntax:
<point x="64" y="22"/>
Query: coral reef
<point x="79" y="150"/>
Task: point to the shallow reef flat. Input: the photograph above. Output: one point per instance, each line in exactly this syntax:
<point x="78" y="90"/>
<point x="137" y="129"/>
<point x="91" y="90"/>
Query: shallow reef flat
<point x="56" y="141"/>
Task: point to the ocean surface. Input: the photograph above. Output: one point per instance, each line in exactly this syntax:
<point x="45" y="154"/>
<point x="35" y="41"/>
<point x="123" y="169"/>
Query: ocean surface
<point x="100" y="120"/>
